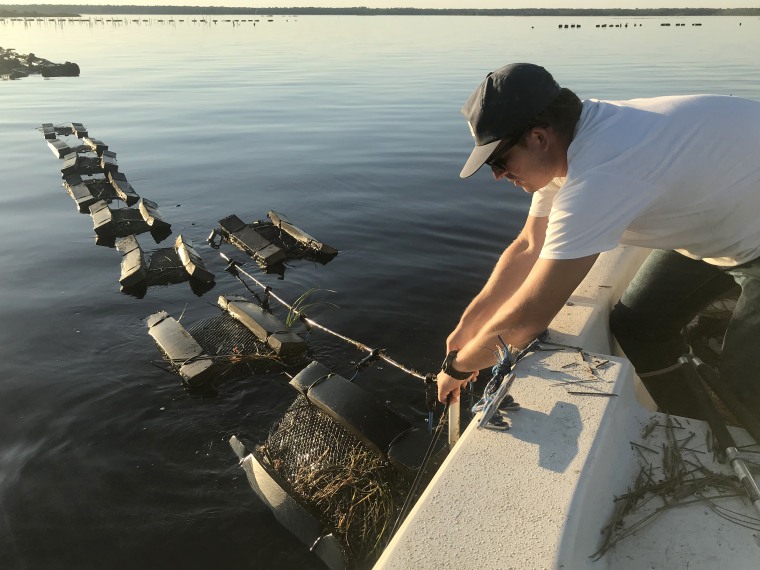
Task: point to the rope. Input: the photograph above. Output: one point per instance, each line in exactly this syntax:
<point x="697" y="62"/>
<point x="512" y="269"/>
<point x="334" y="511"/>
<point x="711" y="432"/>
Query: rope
<point x="263" y="302"/>
<point x="496" y="393"/>
<point x="423" y="468"/>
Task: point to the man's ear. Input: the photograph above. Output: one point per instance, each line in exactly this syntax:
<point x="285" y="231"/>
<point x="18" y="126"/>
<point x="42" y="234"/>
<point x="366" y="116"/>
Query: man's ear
<point x="541" y="137"/>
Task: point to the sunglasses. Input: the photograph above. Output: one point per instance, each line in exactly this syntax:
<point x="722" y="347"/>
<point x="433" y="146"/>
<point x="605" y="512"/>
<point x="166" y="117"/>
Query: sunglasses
<point x="497" y="158"/>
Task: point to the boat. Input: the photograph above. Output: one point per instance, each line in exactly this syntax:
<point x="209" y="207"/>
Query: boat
<point x="583" y="474"/>
<point x="563" y="487"/>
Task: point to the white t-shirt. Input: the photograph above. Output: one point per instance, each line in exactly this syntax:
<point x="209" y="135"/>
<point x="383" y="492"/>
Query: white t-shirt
<point x="676" y="173"/>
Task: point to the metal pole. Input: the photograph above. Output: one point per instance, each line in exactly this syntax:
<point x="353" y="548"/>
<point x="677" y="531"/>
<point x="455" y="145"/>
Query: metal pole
<point x="724" y="437"/>
<point x="736" y="406"/>
<point x="234" y="266"/>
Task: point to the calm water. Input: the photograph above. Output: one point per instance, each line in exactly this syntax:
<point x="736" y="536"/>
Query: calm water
<point x="348" y="125"/>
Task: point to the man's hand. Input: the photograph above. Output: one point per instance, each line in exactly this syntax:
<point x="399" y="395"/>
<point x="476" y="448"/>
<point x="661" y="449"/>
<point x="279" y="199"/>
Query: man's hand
<point x="450" y="386"/>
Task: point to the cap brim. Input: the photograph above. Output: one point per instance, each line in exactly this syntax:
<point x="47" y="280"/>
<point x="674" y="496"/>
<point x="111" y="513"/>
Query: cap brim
<point x="477" y="157"/>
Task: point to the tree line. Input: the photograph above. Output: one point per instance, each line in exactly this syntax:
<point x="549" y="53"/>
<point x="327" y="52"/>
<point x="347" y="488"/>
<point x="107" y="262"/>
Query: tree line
<point x="75" y="10"/>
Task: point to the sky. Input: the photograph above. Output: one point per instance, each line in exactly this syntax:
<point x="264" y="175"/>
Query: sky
<point x="427" y="3"/>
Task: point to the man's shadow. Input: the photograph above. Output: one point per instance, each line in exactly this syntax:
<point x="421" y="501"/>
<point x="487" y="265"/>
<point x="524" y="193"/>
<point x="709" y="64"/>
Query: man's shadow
<point x="555" y="433"/>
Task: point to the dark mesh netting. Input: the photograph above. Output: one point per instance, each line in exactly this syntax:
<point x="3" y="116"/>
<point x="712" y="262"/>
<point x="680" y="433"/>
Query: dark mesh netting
<point x="227" y="340"/>
<point x="306" y="439"/>
<point x="269" y="231"/>
<point x="235" y="351"/>
<point x="223" y="335"/>
<point x="357" y="491"/>
<point x="166" y="268"/>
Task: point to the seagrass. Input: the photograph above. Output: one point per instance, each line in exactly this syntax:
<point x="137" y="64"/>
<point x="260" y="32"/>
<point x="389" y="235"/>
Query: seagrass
<point x="357" y="491"/>
<point x="681" y="482"/>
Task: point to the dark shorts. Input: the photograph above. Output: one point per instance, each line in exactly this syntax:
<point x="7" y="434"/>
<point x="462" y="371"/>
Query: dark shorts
<point x="665" y="295"/>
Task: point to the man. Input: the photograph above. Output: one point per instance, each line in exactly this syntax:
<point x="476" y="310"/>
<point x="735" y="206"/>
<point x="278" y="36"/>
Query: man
<point x="680" y="175"/>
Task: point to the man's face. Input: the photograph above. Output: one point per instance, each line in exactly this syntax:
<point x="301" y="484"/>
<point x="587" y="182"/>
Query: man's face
<point x="531" y="163"/>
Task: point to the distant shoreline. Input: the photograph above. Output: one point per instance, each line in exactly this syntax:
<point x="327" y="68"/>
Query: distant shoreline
<point x="73" y="10"/>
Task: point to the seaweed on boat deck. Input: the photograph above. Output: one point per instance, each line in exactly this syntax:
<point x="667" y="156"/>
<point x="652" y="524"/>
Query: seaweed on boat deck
<point x="685" y="482"/>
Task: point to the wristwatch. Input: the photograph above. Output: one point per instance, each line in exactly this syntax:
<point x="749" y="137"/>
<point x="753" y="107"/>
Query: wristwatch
<point x="448" y="367"/>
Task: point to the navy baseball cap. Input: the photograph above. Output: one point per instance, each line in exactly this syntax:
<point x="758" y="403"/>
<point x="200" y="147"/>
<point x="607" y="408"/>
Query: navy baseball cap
<point x="502" y="106"/>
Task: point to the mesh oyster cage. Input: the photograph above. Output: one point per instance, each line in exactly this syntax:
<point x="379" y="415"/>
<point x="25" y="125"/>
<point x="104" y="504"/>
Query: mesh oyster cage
<point x="271" y="243"/>
<point x="223" y="335"/>
<point x="354" y="491"/>
<point x="226" y="340"/>
<point x="292" y="247"/>
<point x="216" y="346"/>
<point x="166" y="268"/>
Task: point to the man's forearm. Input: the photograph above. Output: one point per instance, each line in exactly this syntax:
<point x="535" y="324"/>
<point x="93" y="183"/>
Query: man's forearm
<point x="527" y="313"/>
<point x="510" y="272"/>
<point x="514" y="326"/>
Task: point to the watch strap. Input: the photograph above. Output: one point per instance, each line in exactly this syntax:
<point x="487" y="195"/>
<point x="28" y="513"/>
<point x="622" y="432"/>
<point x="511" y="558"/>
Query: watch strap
<point x="448" y="367"/>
